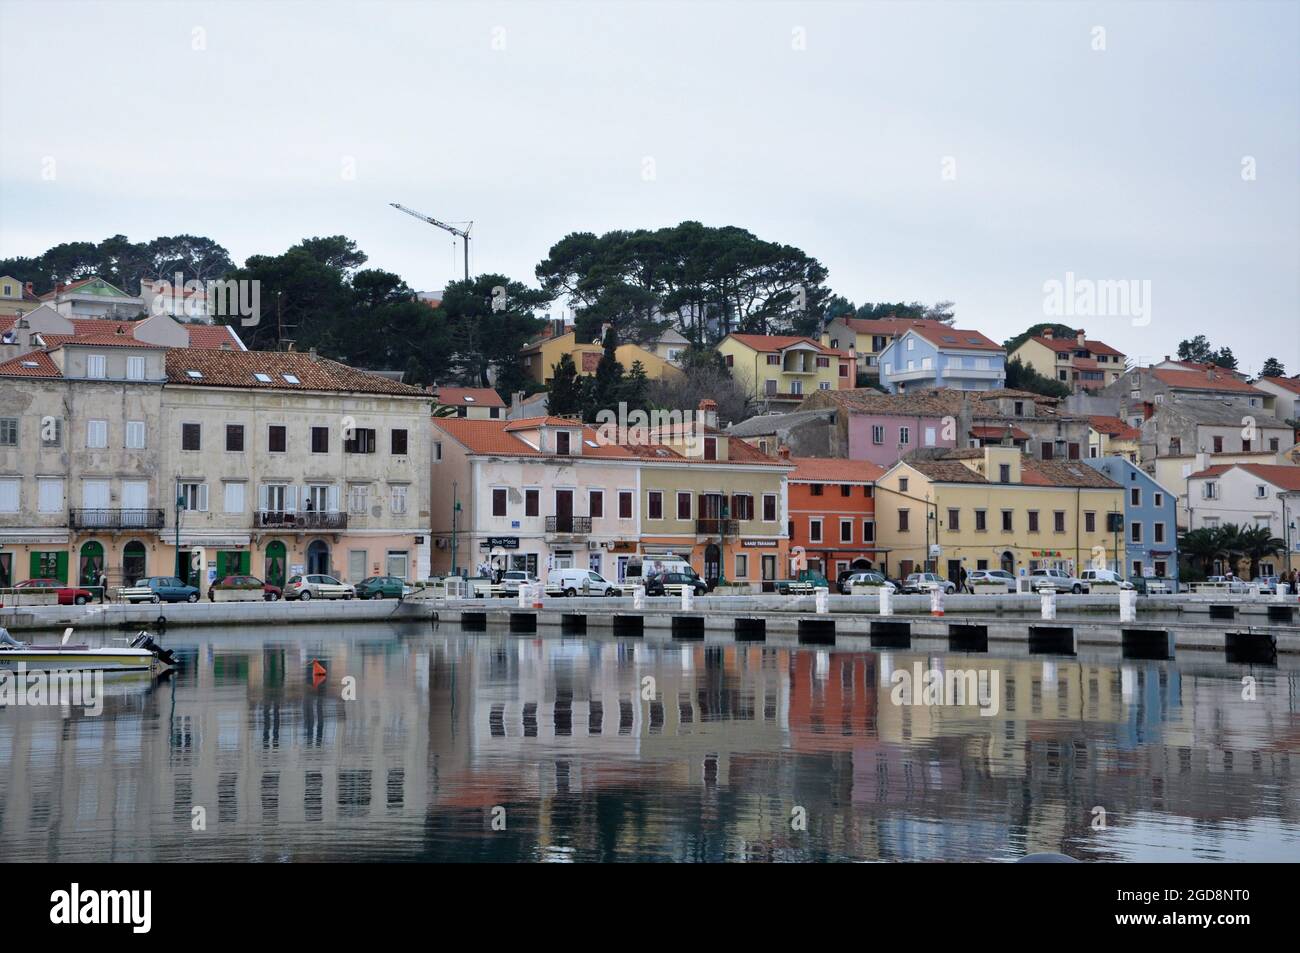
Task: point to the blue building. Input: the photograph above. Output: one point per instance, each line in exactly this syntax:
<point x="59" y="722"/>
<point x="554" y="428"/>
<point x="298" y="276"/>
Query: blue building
<point x="925" y="357"/>
<point x="1150" y="520"/>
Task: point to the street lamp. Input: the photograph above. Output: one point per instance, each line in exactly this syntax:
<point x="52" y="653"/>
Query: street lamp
<point x="455" y="511"/>
<point x="180" y="507"/>
<point x="722" y="550"/>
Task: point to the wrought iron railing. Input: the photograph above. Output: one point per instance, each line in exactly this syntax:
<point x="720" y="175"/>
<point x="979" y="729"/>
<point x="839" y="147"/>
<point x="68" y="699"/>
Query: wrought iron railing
<point x="99" y="518"/>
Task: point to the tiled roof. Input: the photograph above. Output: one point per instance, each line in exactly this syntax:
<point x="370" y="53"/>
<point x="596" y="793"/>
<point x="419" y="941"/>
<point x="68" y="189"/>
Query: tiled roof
<point x="237" y="369"/>
<point x="774" y="342"/>
<point x="468" y="397"/>
<point x="965" y="340"/>
<point x="1073" y="473"/>
<point x="1286" y="383"/>
<point x="532" y="423"/>
<point x="996" y="433"/>
<point x="889" y="326"/>
<point x="17" y="366"/>
<point x="1072" y="344"/>
<point x="1281" y="475"/>
<point x="214" y="336"/>
<point x="1114" y="427"/>
<point x="100" y="339"/>
<point x="946" y="471"/>
<point x="937" y="402"/>
<point x="1201" y="380"/>
<point x="764" y="424"/>
<point x="946" y="468"/>
<point x="833" y="470"/>
<point x="499" y="437"/>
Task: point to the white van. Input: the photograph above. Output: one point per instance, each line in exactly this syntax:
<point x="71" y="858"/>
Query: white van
<point x="580" y="582"/>
<point x="653" y="564"/>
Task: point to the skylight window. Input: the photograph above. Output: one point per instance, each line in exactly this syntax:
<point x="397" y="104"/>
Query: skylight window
<point x="291" y="378"/>
<point x="30" y="364"/>
<point x="469" y="399"/>
<point x="194" y="375"/>
<point x="263" y="378"/>
<point x="590" y="443"/>
<point x="973" y="340"/>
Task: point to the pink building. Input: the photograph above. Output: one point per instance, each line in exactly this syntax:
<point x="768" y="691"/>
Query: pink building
<point x="882" y="428"/>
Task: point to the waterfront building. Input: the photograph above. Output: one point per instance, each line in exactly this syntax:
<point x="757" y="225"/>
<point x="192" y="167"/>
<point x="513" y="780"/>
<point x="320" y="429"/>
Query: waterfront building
<point x="1250" y="494"/>
<point x="1078" y="363"/>
<point x="995" y="508"/>
<point x="833" y="515"/>
<point x="777" y="371"/>
<point x="1150" y="528"/>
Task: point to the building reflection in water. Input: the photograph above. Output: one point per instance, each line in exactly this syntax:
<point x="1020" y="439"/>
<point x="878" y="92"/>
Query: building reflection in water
<point x="490" y="746"/>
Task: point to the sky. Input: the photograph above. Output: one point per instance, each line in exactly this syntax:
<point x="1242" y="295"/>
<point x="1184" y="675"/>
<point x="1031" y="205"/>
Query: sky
<point x="965" y="151"/>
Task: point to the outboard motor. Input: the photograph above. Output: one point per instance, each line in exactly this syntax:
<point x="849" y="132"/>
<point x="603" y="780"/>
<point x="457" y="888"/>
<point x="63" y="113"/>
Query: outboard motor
<point x="8" y="641"/>
<point x="144" y="641"/>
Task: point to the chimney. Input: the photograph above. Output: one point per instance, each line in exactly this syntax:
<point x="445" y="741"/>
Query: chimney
<point x="1079" y="337"/>
<point x="1047" y="333"/>
<point x="27" y="286"/>
<point x="516" y="405"/>
<point x="1209" y="373"/>
<point x="1167" y="361"/>
<point x="709" y="412"/>
<point x="311" y="353"/>
<point x="783" y="452"/>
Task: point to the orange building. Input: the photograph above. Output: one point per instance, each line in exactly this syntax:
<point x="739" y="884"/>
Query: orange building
<point x="832" y="507"/>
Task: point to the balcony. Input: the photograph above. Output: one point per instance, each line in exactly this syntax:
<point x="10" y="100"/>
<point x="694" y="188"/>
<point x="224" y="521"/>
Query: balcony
<point x="301" y="521"/>
<point x="717" y="527"/>
<point x="572" y="525"/>
<point x="115" y="519"/>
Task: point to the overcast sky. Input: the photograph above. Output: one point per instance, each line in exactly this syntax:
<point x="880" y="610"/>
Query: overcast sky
<point x="965" y="151"/>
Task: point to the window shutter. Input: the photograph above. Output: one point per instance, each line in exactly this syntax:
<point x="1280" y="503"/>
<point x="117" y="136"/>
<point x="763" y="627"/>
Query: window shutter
<point x="291" y="498"/>
<point x="203" y="497"/>
<point x="261" y="497"/>
<point x="61" y="566"/>
<point x="333" y="498"/>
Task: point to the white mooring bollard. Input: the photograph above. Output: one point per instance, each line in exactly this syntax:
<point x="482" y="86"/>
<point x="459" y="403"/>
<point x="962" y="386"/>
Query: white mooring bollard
<point x="886" y="601"/>
<point x="936" y="601"/>
<point x="539" y="592"/>
<point x="1279" y="595"/>
<point x="1049" y="603"/>
<point x="525" y="594"/>
<point x="688" y="598"/>
<point x="638" y="597"/>
<point x="1128" y="599"/>
<point x="823" y="599"/>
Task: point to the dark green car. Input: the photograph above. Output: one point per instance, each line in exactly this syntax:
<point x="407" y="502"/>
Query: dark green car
<point x="381" y="587"/>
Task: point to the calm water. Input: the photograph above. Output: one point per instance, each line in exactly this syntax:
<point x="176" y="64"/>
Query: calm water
<point x="553" y="738"/>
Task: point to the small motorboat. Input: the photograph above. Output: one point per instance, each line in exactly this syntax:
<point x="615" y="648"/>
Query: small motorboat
<point x="142" y="655"/>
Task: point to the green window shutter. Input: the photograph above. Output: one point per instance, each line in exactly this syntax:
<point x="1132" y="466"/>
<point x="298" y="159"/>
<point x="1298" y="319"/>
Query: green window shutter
<point x="245" y="563"/>
<point x="61" y="570"/>
<point x="34" y="569"/>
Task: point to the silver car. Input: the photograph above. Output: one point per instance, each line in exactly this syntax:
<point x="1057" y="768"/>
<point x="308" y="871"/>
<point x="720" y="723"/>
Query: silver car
<point x="317" y="586"/>
<point x="1057" y="580"/>
<point x="992" y="576"/>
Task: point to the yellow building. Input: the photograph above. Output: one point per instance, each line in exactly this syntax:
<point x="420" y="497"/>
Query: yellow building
<point x="1078" y="363"/>
<point x="867" y="338"/>
<point x="540" y="357"/>
<point x="16" y="297"/>
<point x="994" y="508"/>
<point x="1112" y="437"/>
<point x="780" y="370"/>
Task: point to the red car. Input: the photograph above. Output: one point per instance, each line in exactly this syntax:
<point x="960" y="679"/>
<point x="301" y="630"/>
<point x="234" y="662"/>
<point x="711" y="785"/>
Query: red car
<point x="269" y="592"/>
<point x="67" y="595"/>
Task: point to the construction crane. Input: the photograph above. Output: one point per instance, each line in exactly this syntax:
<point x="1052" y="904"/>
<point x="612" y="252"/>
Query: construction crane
<point x="443" y="225"/>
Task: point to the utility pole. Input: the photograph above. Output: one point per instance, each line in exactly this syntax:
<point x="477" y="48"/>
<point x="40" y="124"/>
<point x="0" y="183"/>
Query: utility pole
<point x="455" y="511"/>
<point x="180" y="506"/>
<point x="444" y="226"/>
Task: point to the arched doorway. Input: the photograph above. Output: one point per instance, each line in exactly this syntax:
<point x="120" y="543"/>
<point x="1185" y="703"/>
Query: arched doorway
<point x="712" y="564"/>
<point x="133" y="563"/>
<point x="275" y="563"/>
<point x="1008" y="562"/>
<point x="91" y="563"/>
<point x="318" y="558"/>
<point x="861" y="565"/>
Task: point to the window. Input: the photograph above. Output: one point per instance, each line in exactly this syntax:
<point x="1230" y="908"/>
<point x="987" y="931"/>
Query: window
<point x="683" y="506"/>
<point x="1218" y="445"/>
<point x="655" y="510"/>
<point x="96" y="434"/>
<point x="1158" y="532"/>
<point x="359" y="498"/>
<point x="291" y="379"/>
<point x="531" y="502"/>
<point x="596" y="503"/>
<point x="774" y="359"/>
<point x="877" y="434"/>
<point x="954" y="518"/>
<point x="498" y="501"/>
<point x="562" y="443"/>
<point x="846" y="491"/>
<point x="261" y="378"/>
<point x="1135" y="496"/>
<point x="742" y="506"/>
<point x="1058" y="521"/>
<point x="362" y="440"/>
<point x="1260" y="491"/>
<point x="96" y="367"/>
<point x="904" y="436"/>
<point x="814" y="530"/>
<point x="742" y="566"/>
<point x="276" y="435"/>
<point x="769" y="507"/>
<point x="710" y="448"/>
<point x="868" y="531"/>
<point x="51" y="432"/>
<point x="234" y="493"/>
<point x="902" y="484"/>
<point x="625" y="504"/>
<point x="437" y="451"/>
<point x="135" y="368"/>
<point x="1135" y="532"/>
<point x="815" y="489"/>
<point x="235" y="438"/>
<point x="195" y="496"/>
<point x="1019" y="408"/>
<point x="1006" y="521"/>
<point x="1046" y="450"/>
<point x="823" y="362"/>
<point x="398" y="498"/>
<point x="981" y="521"/>
<point x="824" y="385"/>
<point x="320" y="439"/>
<point x="902" y="521"/>
<point x="1158" y="499"/>
<point x="135" y="438"/>
<point x="8" y="431"/>
<point x="9" y="495"/>
<point x="1175" y="446"/>
<point x="1245" y="445"/>
<point x="1273" y="444"/>
<point x="846" y="531"/>
<point x="49" y="495"/>
<point x="1033" y="521"/>
<point x="397" y="443"/>
<point x="191" y="436"/>
<point x="1090" y="522"/>
<point x="1004" y="473"/>
<point x="1211" y="490"/>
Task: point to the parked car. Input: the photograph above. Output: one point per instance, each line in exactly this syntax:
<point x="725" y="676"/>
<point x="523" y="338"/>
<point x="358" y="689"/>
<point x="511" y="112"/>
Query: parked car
<point x="381" y="587"/>
<point x="1148" y="585"/>
<point x="161" y="589"/>
<point x="68" y="595"/>
<point x="919" y="582"/>
<point x="317" y="586"/>
<point x="807" y="577"/>
<point x="1266" y="584"/>
<point x="269" y="592"/>
<point x="1057" y="580"/>
<point x="656" y="583"/>
<point x="514" y="578"/>
<point x="586" y="582"/>
<point x="1234" y="583"/>
<point x="1110" y="576"/>
<point x="864" y="577"/>
<point x="990" y="576"/>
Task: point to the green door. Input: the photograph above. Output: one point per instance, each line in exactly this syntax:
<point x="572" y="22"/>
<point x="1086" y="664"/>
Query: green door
<point x="91" y="564"/>
<point x="275" y="563"/>
<point x="49" y="565"/>
<point x="232" y="563"/>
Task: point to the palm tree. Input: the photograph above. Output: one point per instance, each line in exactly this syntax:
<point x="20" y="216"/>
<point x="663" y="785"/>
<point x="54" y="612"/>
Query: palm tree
<point x="1257" y="542"/>
<point x="1204" y="544"/>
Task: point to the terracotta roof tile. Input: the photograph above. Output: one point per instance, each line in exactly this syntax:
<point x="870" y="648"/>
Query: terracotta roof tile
<point x="996" y="433"/>
<point x="965" y="340"/>
<point x="1201" y="380"/>
<point x="834" y="470"/>
<point x="237" y="369"/>
<point x="1114" y="427"/>
<point x="44" y="366"/>
<point x="468" y="397"/>
<point x="775" y="342"/>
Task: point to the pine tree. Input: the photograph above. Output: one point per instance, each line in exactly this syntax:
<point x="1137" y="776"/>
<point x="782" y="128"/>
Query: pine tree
<point x="567" y="391"/>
